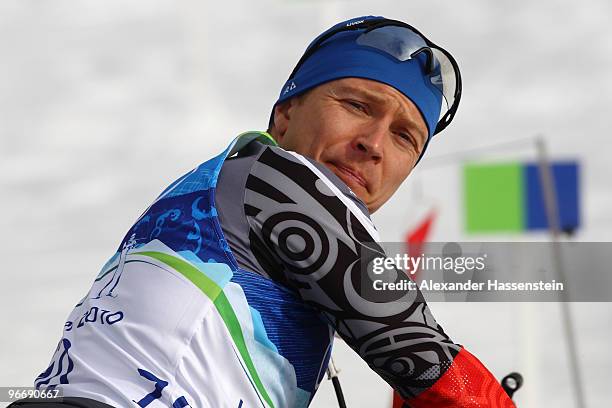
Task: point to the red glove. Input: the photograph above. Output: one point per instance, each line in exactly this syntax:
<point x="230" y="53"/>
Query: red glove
<point x="466" y="384"/>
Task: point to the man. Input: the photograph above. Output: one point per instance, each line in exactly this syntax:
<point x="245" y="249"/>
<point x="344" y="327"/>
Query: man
<point x="228" y="290"/>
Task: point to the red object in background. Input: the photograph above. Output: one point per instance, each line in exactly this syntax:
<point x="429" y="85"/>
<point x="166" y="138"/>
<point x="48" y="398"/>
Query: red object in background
<point x="417" y="237"/>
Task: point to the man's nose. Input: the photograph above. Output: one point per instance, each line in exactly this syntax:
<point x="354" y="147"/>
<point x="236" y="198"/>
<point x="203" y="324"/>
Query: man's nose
<point x="370" y="142"/>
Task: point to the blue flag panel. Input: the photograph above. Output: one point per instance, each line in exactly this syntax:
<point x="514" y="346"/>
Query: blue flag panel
<point x="566" y="179"/>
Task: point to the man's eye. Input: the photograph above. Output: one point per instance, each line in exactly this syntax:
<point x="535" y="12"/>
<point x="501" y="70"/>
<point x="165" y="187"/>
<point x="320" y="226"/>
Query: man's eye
<point x="408" y="138"/>
<point x="357" y="105"/>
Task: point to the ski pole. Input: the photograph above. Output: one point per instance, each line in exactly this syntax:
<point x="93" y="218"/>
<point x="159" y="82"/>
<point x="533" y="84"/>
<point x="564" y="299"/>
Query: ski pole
<point x="332" y="374"/>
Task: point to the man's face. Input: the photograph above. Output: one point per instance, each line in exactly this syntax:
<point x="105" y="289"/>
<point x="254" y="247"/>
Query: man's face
<point x="368" y="133"/>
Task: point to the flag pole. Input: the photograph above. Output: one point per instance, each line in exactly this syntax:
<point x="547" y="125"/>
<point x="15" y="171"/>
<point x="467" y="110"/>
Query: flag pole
<point x="552" y="215"/>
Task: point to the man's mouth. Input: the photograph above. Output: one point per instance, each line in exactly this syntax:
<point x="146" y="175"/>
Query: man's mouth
<point x="351" y="174"/>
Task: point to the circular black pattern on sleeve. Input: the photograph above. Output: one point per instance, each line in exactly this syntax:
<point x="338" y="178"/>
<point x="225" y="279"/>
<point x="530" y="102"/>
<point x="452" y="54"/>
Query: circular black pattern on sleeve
<point x="323" y="245"/>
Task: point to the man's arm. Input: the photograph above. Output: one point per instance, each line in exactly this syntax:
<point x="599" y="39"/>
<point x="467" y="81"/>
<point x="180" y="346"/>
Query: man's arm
<point x="315" y="237"/>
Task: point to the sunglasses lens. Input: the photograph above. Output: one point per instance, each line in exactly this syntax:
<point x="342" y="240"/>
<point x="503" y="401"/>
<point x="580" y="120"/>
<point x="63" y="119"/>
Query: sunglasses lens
<point x="399" y="42"/>
<point x="444" y="78"/>
<point x="404" y="44"/>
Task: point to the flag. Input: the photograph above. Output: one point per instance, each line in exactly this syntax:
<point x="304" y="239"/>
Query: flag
<point x="416" y="238"/>
<point x="508" y="197"/>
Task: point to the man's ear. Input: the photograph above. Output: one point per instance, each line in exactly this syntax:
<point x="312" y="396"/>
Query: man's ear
<point x="282" y="116"/>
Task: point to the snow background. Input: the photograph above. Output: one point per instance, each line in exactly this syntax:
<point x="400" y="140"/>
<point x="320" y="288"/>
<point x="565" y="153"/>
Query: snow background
<point x="102" y="104"/>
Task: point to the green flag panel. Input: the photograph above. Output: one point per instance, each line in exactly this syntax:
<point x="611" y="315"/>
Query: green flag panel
<point x="494" y="197"/>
